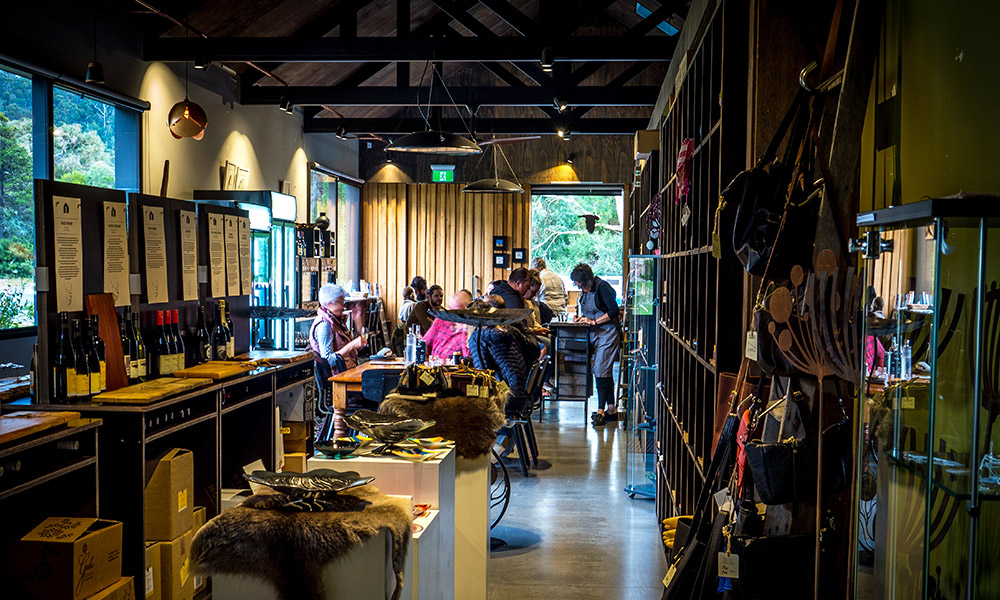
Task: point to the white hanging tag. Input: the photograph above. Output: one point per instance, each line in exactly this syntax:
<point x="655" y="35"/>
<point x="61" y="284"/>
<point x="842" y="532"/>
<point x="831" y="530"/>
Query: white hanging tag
<point x="751" y="348"/>
<point x="729" y="565"/>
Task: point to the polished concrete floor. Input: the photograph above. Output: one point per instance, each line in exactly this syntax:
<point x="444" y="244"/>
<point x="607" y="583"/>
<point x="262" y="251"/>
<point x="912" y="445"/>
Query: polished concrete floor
<point x="572" y="531"/>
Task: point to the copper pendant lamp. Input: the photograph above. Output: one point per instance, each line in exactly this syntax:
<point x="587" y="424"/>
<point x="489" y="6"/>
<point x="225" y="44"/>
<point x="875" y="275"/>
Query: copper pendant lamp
<point x="186" y="118"/>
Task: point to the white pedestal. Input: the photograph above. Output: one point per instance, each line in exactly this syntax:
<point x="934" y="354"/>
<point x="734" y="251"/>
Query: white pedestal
<point x="364" y="574"/>
<point x="428" y="482"/>
<point x="472" y="528"/>
<point x="424" y="578"/>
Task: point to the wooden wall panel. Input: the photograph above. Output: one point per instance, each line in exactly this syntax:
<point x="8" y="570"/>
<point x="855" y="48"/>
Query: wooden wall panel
<point x="436" y="231"/>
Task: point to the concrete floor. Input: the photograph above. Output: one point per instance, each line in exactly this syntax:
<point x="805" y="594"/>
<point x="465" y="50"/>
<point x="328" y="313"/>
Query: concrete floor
<point x="572" y="531"/>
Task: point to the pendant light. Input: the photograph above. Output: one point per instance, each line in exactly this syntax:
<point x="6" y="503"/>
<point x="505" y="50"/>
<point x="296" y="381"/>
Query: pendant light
<point x="186" y="118"/>
<point x="440" y="143"/>
<point x="495" y="185"/>
<point x="95" y="72"/>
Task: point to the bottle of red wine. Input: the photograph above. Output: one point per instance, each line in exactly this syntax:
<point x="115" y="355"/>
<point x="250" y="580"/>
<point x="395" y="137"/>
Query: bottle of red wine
<point x="231" y="343"/>
<point x="163" y="348"/>
<point x="123" y="329"/>
<point x="203" y="341"/>
<point x="64" y="365"/>
<point x="168" y="331"/>
<point x="220" y="341"/>
<point x="138" y="351"/>
<point x="93" y="361"/>
<point x="82" y="371"/>
<point x="179" y="342"/>
<point x="102" y="353"/>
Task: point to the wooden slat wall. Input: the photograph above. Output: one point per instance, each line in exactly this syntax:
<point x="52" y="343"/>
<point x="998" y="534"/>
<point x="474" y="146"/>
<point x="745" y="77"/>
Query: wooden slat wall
<point x="436" y="231"/>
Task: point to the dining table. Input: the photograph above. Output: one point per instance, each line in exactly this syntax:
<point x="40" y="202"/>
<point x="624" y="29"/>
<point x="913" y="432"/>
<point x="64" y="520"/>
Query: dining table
<point x="350" y="381"/>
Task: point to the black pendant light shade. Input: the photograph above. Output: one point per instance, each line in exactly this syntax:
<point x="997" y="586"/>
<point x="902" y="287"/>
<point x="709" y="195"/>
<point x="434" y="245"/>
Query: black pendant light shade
<point x="187" y="119"/>
<point x="95" y="73"/>
<point x="493" y="186"/>
<point x="435" y="142"/>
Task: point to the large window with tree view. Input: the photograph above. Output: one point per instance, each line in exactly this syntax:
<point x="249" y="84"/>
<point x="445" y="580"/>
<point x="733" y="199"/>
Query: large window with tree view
<point x="86" y="137"/>
<point x="560" y="234"/>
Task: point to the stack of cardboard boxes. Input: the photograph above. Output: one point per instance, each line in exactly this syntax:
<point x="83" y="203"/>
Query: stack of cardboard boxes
<point x="171" y="522"/>
<point x="71" y="558"/>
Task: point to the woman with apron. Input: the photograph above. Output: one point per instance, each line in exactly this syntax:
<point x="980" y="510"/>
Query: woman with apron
<point x="599" y="309"/>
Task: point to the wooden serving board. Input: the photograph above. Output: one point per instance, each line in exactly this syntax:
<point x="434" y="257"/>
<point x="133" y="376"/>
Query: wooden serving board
<point x="12" y="388"/>
<point x="103" y="305"/>
<point x="277" y="356"/>
<point x="215" y="369"/>
<point x="151" y="391"/>
<point x="20" y="424"/>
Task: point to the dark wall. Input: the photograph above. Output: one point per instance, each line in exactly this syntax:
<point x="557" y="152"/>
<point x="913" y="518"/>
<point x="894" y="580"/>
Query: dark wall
<point x="604" y="158"/>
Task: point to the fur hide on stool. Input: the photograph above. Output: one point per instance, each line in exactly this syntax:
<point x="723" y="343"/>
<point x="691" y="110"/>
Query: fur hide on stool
<point x="290" y="549"/>
<point x="471" y="422"/>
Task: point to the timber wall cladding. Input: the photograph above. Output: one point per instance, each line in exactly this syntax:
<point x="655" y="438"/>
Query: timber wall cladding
<point x="434" y="230"/>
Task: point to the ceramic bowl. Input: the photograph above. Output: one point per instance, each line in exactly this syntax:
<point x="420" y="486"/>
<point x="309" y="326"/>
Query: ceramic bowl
<point x="340" y="448"/>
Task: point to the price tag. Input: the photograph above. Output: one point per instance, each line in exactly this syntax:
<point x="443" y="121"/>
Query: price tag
<point x="484" y="391"/>
<point x="426" y="378"/>
<point x="907" y="402"/>
<point x="503" y="388"/>
<point x="723" y="500"/>
<point x="472" y="390"/>
<point x="669" y="576"/>
<point x="182" y="500"/>
<point x="685" y="215"/>
<point x="150" y="588"/>
<point x="751" y="348"/>
<point x="729" y="565"/>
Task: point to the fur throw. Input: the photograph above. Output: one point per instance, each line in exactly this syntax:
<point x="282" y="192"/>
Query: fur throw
<point x="471" y="422"/>
<point x="290" y="549"/>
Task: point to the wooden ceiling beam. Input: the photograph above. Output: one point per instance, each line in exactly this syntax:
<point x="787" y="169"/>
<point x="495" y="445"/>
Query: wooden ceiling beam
<point x="394" y="126"/>
<point x="617" y="83"/>
<point x="352" y="95"/>
<point x="382" y="49"/>
<point x="653" y="20"/>
<point x="517" y="20"/>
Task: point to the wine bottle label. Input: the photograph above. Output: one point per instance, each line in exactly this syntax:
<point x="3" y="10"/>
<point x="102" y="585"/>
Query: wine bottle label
<point x="95" y="382"/>
<point x="164" y="364"/>
<point x="221" y="352"/>
<point x="140" y="367"/>
<point x="133" y="367"/>
<point x="206" y="352"/>
<point x="82" y="383"/>
<point x="230" y="348"/>
<point x="104" y="375"/>
<point x="128" y="367"/>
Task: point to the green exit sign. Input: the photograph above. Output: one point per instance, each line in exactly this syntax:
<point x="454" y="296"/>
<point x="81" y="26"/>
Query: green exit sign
<point x="442" y="173"/>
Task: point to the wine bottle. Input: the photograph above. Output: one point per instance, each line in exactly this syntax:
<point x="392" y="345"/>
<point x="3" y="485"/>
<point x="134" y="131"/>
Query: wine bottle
<point x="220" y="342"/>
<point x="168" y="332"/>
<point x="137" y="351"/>
<point x="102" y="353"/>
<point x="163" y="348"/>
<point x="93" y="360"/>
<point x="64" y="365"/>
<point x="82" y="371"/>
<point x="231" y="342"/>
<point x="179" y="342"/>
<point x="123" y="326"/>
<point x="203" y="342"/>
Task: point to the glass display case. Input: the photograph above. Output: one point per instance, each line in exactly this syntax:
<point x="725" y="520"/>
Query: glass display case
<point x="927" y="511"/>
<point x="642" y="309"/>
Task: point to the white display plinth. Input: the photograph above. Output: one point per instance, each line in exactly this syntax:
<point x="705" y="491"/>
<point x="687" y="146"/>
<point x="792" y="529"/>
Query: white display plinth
<point x="429" y="482"/>
<point x="423" y="580"/>
<point x="472" y="528"/>
<point x="363" y="574"/>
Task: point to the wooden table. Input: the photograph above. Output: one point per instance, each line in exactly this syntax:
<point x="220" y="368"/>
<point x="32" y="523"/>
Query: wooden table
<point x="572" y="378"/>
<point x="350" y="381"/>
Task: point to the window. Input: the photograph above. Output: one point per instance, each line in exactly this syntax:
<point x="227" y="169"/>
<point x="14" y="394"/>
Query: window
<point x="559" y="234"/>
<point x="17" y="223"/>
<point x="339" y="197"/>
<point x="83" y="139"/>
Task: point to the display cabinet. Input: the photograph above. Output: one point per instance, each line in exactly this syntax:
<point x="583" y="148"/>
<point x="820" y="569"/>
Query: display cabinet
<point x="642" y="301"/>
<point x="928" y="508"/>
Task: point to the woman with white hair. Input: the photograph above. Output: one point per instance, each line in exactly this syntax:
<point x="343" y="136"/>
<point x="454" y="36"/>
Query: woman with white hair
<point x="330" y="335"/>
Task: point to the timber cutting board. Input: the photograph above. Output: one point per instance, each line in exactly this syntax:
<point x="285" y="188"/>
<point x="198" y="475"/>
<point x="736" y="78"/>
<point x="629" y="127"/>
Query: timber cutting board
<point x="277" y="356"/>
<point x="216" y="369"/>
<point x="12" y="388"/>
<point x="19" y="424"/>
<point x="151" y="391"/>
<point x="103" y="305"/>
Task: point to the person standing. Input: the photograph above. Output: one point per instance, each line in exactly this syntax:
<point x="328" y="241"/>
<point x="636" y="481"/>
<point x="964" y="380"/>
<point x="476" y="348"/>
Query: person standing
<point x="553" y="291"/>
<point x="599" y="309"/>
<point x="330" y="334"/>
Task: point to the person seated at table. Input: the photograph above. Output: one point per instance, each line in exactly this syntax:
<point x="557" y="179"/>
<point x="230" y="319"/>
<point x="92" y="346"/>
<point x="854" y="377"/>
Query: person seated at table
<point x="506" y="351"/>
<point x="409" y="301"/>
<point x="419" y="285"/>
<point x="512" y="291"/>
<point x="445" y="338"/>
<point x="533" y="323"/>
<point x="420" y="315"/>
<point x="330" y="335"/>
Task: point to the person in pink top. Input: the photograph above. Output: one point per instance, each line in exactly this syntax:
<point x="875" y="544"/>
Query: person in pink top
<point x="445" y="338"/>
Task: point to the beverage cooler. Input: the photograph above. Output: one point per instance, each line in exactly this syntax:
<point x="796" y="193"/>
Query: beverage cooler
<point x="273" y="262"/>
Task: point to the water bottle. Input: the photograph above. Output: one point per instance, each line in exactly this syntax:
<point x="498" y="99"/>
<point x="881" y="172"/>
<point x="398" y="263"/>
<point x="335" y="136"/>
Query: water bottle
<point x="410" y="355"/>
<point x="906" y="361"/>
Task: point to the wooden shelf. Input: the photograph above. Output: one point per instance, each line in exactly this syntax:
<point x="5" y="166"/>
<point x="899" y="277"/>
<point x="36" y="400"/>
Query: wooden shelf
<point x="707" y="364"/>
<point x="691" y="252"/>
<point x="74" y="466"/>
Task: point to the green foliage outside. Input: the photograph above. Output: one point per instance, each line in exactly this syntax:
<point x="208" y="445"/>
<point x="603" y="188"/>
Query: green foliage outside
<point x="560" y="236"/>
<point x="83" y="152"/>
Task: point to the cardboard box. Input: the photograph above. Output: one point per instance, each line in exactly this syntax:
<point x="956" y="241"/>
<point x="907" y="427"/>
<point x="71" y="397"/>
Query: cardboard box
<point x="176" y="582"/>
<point x="295" y="462"/>
<point x="294" y="436"/>
<point x="123" y="589"/>
<point x="150" y="585"/>
<point x="169" y="495"/>
<point x="198" y="518"/>
<point x="69" y="558"/>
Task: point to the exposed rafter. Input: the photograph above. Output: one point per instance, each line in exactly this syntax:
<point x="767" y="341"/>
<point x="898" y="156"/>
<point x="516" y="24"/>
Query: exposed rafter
<point x="396" y="126"/>
<point x="455" y="49"/>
